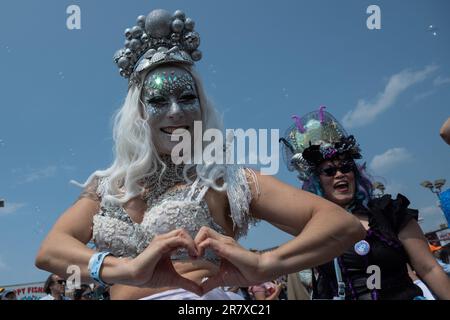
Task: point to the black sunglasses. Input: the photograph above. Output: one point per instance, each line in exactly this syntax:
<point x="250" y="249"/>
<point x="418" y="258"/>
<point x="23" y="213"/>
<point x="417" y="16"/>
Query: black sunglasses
<point x="331" y="170"/>
<point x="61" y="282"/>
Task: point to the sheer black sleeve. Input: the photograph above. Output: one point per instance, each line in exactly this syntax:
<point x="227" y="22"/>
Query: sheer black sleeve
<point x="391" y="215"/>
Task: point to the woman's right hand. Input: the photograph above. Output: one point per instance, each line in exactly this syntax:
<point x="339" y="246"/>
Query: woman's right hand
<point x="153" y="268"/>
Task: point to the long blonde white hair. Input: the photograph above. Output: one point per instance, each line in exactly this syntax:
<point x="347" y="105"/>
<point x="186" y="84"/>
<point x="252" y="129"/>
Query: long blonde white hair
<point x="135" y="156"/>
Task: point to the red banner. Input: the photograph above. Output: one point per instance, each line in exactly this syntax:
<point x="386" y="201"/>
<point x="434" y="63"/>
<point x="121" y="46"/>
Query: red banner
<point x="28" y="291"/>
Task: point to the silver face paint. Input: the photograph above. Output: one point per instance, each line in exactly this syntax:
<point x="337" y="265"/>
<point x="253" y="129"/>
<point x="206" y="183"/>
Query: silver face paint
<point x="171" y="101"/>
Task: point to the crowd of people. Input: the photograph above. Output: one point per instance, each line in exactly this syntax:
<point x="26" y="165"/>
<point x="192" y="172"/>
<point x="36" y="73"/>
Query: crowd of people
<point x="165" y="229"/>
<point x="56" y="289"/>
<point x="295" y="286"/>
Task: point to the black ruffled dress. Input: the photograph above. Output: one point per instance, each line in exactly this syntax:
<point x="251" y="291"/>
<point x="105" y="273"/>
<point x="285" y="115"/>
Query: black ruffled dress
<point x="386" y="218"/>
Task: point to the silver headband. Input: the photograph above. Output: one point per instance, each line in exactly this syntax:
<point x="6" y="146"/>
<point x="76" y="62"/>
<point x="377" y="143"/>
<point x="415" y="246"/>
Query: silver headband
<point x="158" y="38"/>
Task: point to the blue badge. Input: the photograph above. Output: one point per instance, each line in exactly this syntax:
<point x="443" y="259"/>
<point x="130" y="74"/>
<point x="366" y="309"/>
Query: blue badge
<point x="362" y="247"/>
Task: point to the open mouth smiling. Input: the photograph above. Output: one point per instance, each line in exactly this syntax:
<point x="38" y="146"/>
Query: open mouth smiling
<point x="170" y="130"/>
<point x="341" y="186"/>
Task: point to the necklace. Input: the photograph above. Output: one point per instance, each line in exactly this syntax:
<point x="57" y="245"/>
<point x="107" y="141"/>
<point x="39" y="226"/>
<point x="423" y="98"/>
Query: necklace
<point x="157" y="184"/>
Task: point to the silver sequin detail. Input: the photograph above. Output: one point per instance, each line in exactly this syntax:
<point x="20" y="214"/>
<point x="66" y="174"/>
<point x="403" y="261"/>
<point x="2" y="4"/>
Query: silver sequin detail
<point x="171" y="206"/>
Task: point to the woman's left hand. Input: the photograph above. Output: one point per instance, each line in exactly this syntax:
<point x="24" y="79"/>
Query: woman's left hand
<point x="238" y="267"/>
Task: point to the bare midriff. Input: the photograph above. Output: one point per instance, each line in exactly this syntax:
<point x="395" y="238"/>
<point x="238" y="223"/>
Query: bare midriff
<point x="195" y="270"/>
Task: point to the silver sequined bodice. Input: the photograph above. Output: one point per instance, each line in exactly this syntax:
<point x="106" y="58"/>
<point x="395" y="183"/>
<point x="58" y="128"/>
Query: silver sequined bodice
<point x="182" y="206"/>
<point x="114" y="231"/>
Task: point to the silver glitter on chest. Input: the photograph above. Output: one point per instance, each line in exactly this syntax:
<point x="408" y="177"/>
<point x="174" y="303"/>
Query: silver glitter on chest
<point x="173" y="203"/>
<point x="156" y="184"/>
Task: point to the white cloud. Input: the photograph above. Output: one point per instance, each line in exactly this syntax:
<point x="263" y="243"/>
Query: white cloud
<point x="430" y="210"/>
<point x="439" y="81"/>
<point x="432" y="218"/>
<point x="394" y="188"/>
<point x="391" y="158"/>
<point x="39" y="174"/>
<point x="366" y="112"/>
<point x="11" y="208"/>
<point x="424" y="95"/>
<point x="29" y="175"/>
<point x="68" y="167"/>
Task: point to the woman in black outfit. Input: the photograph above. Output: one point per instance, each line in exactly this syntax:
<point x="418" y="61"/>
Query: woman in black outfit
<point x="375" y="268"/>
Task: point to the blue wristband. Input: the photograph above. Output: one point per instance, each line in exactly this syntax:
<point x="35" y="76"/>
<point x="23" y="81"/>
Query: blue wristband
<point x="94" y="266"/>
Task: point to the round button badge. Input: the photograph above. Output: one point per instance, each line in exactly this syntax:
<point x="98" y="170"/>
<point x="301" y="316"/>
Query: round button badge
<point x="362" y="247"/>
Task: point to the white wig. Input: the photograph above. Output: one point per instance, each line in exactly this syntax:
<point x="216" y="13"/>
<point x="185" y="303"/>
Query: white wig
<point x="135" y="153"/>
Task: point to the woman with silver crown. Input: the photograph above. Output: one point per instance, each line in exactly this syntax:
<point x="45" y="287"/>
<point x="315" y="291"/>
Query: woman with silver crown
<point x="319" y="149"/>
<point x="169" y="231"/>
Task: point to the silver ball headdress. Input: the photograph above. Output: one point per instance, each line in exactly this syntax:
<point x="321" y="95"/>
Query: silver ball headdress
<point x="159" y="37"/>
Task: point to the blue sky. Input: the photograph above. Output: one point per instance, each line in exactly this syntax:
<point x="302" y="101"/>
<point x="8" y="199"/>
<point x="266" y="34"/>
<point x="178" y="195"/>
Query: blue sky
<point x="262" y="62"/>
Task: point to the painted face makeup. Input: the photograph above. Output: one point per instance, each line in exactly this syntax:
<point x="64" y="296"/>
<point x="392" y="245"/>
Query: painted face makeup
<point x="171" y="102"/>
<point x="161" y="86"/>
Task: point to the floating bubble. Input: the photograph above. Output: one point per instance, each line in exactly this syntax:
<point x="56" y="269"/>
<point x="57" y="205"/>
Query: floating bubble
<point x="38" y="228"/>
<point x="433" y="30"/>
<point x="212" y="69"/>
<point x="39" y="222"/>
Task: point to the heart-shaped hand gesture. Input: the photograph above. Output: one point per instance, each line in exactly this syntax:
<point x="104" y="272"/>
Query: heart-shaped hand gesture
<point x="238" y="267"/>
<point x="153" y="267"/>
